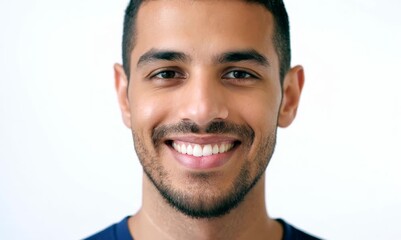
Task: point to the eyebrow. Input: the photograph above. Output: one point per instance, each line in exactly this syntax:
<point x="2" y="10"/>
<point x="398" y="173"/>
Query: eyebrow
<point x="246" y="55"/>
<point x="162" y="55"/>
<point x="227" y="57"/>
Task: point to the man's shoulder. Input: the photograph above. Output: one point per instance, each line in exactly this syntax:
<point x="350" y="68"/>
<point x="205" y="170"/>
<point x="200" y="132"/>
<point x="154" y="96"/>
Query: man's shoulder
<point x="117" y="231"/>
<point x="292" y="233"/>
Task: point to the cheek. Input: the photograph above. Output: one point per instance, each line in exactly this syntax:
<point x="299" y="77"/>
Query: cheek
<point x="259" y="111"/>
<point x="147" y="111"/>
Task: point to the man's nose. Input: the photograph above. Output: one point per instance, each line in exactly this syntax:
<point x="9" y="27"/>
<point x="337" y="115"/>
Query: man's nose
<point x="203" y="101"/>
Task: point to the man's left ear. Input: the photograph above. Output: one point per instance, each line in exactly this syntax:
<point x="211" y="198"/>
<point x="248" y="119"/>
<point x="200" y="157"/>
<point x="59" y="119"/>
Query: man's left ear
<point x="292" y="88"/>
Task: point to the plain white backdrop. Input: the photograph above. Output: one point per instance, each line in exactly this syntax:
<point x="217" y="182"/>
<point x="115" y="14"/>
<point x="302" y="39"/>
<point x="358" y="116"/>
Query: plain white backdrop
<point x="67" y="163"/>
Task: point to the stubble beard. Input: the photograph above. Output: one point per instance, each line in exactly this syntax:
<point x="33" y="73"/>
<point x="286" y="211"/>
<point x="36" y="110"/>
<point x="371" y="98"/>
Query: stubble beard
<point x="211" y="202"/>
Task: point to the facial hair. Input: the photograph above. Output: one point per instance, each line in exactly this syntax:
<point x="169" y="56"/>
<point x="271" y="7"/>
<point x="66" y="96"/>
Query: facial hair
<point x="214" y="204"/>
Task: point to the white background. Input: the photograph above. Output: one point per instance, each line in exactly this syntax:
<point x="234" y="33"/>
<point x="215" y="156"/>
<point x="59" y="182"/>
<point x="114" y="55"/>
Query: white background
<point x="67" y="165"/>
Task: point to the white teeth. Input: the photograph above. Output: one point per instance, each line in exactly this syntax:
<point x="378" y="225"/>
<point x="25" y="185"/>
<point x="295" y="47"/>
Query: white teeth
<point x="190" y="151"/>
<point x="199" y="151"/>
<point x="183" y="149"/>
<point x="216" y="149"/>
<point x="177" y="147"/>
<point x="222" y="148"/>
<point x="207" y="150"/>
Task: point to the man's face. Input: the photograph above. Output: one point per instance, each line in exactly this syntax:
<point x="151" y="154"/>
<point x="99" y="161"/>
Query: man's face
<point x="203" y="100"/>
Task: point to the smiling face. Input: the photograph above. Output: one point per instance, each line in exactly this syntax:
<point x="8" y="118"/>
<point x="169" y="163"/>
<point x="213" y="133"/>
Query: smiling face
<point x="203" y="100"/>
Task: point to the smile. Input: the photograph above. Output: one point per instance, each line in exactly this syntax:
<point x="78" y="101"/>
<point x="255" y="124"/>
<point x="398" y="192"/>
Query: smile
<point x="203" y="153"/>
<point x="202" y="150"/>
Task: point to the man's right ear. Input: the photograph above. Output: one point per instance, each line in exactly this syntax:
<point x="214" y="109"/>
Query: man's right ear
<point x="121" y="85"/>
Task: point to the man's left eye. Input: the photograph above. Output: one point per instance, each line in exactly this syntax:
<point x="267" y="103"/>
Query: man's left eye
<point x="238" y="74"/>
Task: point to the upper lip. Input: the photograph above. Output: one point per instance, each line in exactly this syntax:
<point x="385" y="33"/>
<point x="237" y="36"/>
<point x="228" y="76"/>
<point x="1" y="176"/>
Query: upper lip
<point x="203" y="139"/>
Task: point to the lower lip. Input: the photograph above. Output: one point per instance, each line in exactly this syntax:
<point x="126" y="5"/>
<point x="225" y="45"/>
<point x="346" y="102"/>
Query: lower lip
<point x="202" y="163"/>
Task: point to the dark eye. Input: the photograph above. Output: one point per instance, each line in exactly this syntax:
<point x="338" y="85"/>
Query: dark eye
<point x="238" y="75"/>
<point x="167" y="74"/>
<point x="167" y="77"/>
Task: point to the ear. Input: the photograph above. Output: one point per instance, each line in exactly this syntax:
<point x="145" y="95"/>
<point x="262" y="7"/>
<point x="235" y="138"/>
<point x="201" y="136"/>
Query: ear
<point x="292" y="88"/>
<point x="121" y="85"/>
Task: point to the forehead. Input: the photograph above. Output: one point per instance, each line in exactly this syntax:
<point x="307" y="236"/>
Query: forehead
<point x="202" y="28"/>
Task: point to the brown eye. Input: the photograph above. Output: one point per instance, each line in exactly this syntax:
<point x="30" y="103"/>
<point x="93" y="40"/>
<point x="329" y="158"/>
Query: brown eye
<point x="166" y="74"/>
<point x="238" y="75"/>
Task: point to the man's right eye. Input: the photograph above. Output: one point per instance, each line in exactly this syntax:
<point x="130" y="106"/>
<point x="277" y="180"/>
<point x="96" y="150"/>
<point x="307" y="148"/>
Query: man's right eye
<point x="168" y="74"/>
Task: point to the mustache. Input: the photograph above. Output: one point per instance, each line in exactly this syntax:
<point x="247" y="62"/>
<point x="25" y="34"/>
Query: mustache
<point x="244" y="132"/>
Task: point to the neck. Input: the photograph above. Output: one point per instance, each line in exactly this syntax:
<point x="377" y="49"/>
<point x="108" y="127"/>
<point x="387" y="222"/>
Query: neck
<point x="158" y="220"/>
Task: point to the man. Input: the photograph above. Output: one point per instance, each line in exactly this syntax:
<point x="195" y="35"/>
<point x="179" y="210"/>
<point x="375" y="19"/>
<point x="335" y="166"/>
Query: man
<point x="203" y="87"/>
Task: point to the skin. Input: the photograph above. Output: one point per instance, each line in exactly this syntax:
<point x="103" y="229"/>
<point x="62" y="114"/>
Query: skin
<point x="202" y="90"/>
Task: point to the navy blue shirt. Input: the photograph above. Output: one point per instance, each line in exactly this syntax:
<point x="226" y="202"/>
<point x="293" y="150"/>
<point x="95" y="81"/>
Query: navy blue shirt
<point x="119" y="231"/>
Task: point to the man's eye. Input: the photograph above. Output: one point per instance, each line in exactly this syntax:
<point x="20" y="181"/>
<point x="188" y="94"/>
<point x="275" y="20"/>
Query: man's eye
<point x="238" y="75"/>
<point x="168" y="74"/>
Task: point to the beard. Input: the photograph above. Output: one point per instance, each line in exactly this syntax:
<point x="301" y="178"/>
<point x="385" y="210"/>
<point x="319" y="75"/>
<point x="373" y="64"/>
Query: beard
<point x="200" y="198"/>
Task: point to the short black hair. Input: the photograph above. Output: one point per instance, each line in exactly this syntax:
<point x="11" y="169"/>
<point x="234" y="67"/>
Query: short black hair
<point x="281" y="34"/>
